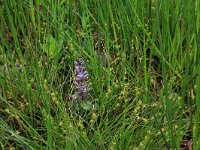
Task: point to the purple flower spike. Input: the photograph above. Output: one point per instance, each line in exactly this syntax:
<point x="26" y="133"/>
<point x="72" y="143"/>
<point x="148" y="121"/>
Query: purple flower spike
<point x="81" y="81"/>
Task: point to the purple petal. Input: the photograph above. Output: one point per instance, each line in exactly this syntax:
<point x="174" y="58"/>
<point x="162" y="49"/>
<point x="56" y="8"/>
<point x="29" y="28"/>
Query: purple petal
<point x="80" y="75"/>
<point x="79" y="62"/>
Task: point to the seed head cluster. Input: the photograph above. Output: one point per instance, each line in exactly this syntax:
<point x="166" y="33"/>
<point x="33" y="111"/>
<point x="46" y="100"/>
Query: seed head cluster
<point x="81" y="81"/>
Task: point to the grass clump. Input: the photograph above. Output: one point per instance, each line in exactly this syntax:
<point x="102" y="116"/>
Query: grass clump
<point x="142" y="64"/>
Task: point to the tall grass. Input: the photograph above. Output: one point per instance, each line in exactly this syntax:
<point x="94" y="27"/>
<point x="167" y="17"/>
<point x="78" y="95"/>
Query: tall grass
<point x="143" y="63"/>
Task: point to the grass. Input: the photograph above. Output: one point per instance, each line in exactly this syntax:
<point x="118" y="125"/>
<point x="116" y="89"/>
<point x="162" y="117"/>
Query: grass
<point x="142" y="58"/>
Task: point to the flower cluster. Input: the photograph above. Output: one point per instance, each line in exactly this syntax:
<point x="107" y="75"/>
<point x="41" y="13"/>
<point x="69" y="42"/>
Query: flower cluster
<point x="81" y="81"/>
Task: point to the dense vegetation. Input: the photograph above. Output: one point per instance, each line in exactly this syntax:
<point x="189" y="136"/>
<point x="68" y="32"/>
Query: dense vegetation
<point x="141" y="63"/>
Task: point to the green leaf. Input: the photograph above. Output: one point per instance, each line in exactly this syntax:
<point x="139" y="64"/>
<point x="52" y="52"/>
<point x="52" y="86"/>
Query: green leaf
<point x="53" y="47"/>
<point x="87" y="105"/>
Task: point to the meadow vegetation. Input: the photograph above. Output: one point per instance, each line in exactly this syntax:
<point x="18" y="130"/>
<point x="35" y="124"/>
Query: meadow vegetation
<point x="142" y="59"/>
